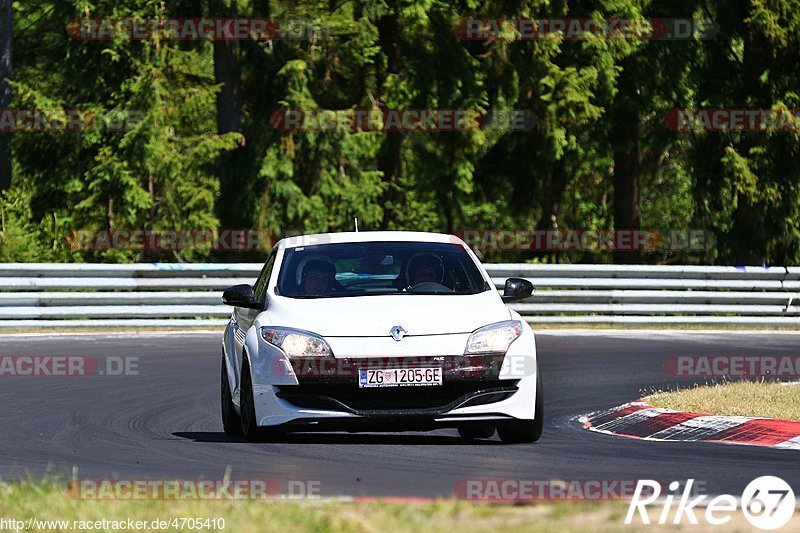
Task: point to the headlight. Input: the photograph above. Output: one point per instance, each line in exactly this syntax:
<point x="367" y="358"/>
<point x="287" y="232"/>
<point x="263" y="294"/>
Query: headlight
<point x="494" y="338"/>
<point x="296" y="343"/>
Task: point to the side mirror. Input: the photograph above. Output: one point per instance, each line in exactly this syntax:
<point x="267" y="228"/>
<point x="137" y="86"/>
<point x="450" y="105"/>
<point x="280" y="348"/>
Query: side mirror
<point x="241" y="296"/>
<point x="517" y="289"/>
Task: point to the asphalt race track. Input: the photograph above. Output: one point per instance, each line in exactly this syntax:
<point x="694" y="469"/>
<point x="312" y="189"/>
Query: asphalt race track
<point x="164" y="423"/>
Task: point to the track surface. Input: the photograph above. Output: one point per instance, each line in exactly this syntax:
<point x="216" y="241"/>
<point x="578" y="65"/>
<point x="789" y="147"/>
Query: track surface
<point x="164" y="423"/>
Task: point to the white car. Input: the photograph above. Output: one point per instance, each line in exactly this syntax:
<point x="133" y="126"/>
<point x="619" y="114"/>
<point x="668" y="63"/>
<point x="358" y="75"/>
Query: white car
<point x="394" y="331"/>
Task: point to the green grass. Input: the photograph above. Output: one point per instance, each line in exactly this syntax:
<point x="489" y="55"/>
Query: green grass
<point x="51" y="501"/>
<point x="742" y="398"/>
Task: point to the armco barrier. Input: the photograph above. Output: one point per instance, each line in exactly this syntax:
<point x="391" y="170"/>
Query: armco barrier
<point x="166" y="294"/>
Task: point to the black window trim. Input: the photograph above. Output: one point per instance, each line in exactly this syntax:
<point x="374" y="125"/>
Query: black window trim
<point x="266" y="270"/>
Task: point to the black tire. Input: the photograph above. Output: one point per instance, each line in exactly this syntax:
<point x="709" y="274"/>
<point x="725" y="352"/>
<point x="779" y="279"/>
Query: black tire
<point x="525" y="431"/>
<point x="476" y="433"/>
<point x="231" y="422"/>
<point x="248" y="407"/>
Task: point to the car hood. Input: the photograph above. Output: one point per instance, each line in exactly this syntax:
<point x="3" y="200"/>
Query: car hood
<point x="374" y="316"/>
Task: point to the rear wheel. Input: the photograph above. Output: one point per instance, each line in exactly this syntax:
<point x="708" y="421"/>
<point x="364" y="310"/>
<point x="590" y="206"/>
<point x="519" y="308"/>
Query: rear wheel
<point x="476" y="433"/>
<point x="231" y="422"/>
<point x="525" y="431"/>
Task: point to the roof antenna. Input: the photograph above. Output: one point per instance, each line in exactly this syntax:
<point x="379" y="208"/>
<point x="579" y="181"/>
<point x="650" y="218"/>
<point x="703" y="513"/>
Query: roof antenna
<point x="356" y="222"/>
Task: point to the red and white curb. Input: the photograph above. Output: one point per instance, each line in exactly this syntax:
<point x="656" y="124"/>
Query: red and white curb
<point x="642" y="421"/>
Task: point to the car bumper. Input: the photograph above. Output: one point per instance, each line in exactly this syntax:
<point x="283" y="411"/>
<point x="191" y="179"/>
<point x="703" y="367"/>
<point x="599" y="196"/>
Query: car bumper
<point x="327" y="407"/>
<point x="276" y="409"/>
<point x="322" y="396"/>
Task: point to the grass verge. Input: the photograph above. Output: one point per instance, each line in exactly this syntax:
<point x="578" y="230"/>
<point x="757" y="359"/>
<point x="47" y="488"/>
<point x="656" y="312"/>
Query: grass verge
<point x="48" y="501"/>
<point x="741" y="398"/>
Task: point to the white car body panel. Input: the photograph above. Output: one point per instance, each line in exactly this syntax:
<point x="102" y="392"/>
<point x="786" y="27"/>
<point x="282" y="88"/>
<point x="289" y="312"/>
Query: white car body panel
<point x="372" y="316"/>
<point x="358" y="328"/>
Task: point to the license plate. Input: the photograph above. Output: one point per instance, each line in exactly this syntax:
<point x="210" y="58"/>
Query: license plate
<point x="400" y="377"/>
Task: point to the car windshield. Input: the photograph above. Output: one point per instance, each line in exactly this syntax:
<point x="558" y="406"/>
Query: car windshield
<point x="375" y="268"/>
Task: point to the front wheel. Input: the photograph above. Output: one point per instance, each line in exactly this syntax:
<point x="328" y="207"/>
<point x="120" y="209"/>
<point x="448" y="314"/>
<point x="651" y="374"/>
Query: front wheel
<point x="231" y="422"/>
<point x="526" y="431"/>
<point x="248" y="407"/>
<point x="250" y="428"/>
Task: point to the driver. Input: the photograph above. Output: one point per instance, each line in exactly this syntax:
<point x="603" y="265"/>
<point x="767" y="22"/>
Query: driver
<point x="426" y="268"/>
<point x="317" y="278"/>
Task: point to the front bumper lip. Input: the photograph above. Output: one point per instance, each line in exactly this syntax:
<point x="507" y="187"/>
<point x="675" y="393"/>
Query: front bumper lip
<point x="390" y="424"/>
<point x="483" y="396"/>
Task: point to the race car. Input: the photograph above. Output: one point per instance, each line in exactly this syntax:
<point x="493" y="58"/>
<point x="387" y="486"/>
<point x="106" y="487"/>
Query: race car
<point x="378" y="331"/>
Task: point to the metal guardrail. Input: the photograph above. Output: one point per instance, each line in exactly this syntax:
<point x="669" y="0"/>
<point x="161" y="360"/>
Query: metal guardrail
<point x="166" y="294"/>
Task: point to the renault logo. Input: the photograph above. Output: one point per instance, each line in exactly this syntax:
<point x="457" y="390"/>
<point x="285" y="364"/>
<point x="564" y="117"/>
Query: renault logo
<point x="397" y="333"/>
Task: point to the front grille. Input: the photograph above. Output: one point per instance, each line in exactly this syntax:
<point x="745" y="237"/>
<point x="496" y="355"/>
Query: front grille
<point x="344" y="370"/>
<point x="399" y="400"/>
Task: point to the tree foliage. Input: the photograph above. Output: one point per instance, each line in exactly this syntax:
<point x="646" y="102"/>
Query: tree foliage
<point x="198" y="149"/>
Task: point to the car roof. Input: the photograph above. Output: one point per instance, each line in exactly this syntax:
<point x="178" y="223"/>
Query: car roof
<point x="367" y="236"/>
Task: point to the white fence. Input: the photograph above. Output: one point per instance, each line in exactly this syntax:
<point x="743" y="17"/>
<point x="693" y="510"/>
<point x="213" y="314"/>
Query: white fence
<point x="59" y="295"/>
